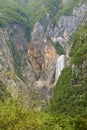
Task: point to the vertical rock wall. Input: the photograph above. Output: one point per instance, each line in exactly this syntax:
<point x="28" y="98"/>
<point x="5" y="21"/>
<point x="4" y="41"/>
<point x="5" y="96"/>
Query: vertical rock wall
<point x="42" y="55"/>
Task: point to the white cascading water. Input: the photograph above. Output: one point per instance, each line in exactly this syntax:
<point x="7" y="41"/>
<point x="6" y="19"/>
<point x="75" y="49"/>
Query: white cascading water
<point x="59" y="66"/>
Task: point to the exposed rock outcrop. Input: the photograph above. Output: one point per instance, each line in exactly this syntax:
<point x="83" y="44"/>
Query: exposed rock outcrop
<point x="7" y="70"/>
<point x="7" y="74"/>
<point x="6" y="60"/>
<point x="65" y="1"/>
<point x="18" y="46"/>
<point x="42" y="55"/>
<point x="66" y="26"/>
<point x="17" y="35"/>
<point x="38" y="66"/>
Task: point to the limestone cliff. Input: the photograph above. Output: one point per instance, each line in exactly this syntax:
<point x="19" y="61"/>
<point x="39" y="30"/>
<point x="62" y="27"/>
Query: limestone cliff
<point x="66" y="26"/>
<point x="42" y="55"/>
<point x="8" y="74"/>
<point x="34" y="63"/>
<point x="18" y="45"/>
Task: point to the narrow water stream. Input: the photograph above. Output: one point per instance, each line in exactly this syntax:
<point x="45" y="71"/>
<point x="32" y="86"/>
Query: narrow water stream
<point x="59" y="66"/>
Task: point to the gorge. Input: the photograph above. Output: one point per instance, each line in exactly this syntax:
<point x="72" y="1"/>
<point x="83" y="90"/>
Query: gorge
<point x="39" y="62"/>
<point x="43" y="64"/>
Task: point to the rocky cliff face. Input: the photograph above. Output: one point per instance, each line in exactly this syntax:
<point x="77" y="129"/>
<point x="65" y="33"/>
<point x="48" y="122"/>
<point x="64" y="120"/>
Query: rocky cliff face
<point x="34" y="63"/>
<point x="9" y="48"/>
<point x="20" y="71"/>
<point x="42" y="56"/>
<point x="18" y="46"/>
<point x="66" y="26"/>
<point x="7" y="73"/>
<point x="65" y="1"/>
<point x="6" y="61"/>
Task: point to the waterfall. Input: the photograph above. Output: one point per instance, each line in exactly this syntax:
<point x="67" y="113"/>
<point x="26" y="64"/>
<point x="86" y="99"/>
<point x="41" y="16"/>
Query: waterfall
<point x="59" y="66"/>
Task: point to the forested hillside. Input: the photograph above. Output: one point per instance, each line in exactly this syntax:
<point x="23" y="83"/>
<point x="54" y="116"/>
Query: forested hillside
<point x="70" y="92"/>
<point x="29" y="11"/>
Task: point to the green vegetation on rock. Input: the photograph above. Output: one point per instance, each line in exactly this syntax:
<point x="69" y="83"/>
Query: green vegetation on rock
<point x="59" y="49"/>
<point x="13" y="115"/>
<point x="27" y="12"/>
<point x="68" y="106"/>
<point x="70" y="92"/>
<point x="3" y="92"/>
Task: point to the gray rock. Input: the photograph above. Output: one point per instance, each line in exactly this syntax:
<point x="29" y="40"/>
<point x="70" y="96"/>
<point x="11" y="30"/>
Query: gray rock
<point x="65" y="1"/>
<point x="38" y="31"/>
<point x="7" y="70"/>
<point x="42" y="55"/>
<point x="66" y="26"/>
<point x="1" y="67"/>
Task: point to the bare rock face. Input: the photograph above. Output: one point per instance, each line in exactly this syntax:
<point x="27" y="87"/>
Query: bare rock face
<point x="7" y="71"/>
<point x="37" y="68"/>
<point x="18" y="47"/>
<point x="17" y="35"/>
<point x="38" y="31"/>
<point x="66" y="26"/>
<point x="65" y="1"/>
<point x="7" y="74"/>
<point x="6" y="60"/>
<point x="42" y="56"/>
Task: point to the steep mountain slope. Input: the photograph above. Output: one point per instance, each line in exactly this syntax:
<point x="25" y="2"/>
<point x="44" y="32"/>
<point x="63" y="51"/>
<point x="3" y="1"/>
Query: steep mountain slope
<point x="33" y="30"/>
<point x="28" y="12"/>
<point x="38" y="38"/>
<point x="8" y="70"/>
<point x="70" y="92"/>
